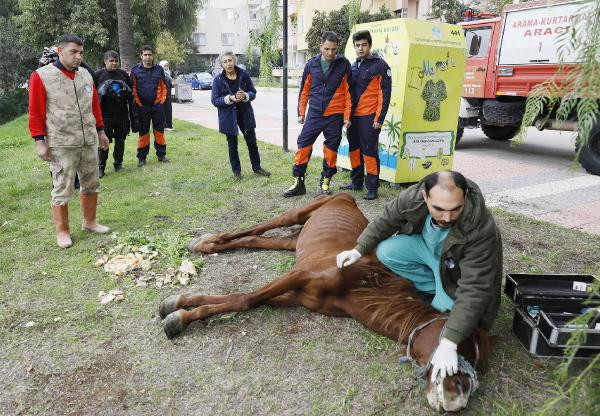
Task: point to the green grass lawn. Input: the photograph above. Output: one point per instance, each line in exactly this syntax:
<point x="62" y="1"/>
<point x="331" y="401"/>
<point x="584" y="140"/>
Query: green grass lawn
<point x="81" y="357"/>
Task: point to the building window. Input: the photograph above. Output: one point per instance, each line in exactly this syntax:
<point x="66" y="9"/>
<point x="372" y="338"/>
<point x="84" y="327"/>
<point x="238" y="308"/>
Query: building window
<point x="253" y="11"/>
<point x="401" y="13"/>
<point x="228" y="14"/>
<point x="202" y="14"/>
<point x="199" y="38"/>
<point x="227" y="39"/>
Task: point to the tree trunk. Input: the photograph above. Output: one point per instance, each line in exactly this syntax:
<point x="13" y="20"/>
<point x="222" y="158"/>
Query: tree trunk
<point x="125" y="27"/>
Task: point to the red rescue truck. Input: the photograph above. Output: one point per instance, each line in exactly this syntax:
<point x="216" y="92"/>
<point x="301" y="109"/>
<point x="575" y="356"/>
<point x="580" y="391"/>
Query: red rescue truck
<point x="507" y="56"/>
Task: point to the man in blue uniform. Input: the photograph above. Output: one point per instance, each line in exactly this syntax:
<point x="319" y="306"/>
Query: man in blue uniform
<point x="371" y="89"/>
<point x="149" y="94"/>
<point x="325" y="89"/>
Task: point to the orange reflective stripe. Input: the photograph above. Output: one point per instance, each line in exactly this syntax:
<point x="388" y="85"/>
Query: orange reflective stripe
<point x="371" y="165"/>
<point x="135" y="94"/>
<point x="159" y="137"/>
<point x="330" y="156"/>
<point x="348" y="98"/>
<point x="304" y="96"/>
<point x="144" y="140"/>
<point x="355" y="158"/>
<point x="302" y="155"/>
<point x="340" y="102"/>
<point x="371" y="99"/>
<point x="161" y="92"/>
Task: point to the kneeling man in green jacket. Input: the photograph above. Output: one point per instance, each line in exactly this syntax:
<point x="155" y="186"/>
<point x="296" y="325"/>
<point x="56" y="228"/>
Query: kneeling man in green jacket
<point x="439" y="234"/>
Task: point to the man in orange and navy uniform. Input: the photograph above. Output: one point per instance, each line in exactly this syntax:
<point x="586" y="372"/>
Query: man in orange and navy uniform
<point x="325" y="89"/>
<point x="149" y="95"/>
<point x="371" y="88"/>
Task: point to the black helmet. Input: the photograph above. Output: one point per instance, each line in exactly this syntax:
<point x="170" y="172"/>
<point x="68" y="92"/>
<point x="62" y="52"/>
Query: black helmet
<point x="49" y="55"/>
<point x="115" y="90"/>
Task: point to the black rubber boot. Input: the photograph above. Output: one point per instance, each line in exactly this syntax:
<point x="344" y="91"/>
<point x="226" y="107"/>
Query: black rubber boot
<point x="351" y="187"/>
<point x="297" y="189"/>
<point x="371" y="194"/>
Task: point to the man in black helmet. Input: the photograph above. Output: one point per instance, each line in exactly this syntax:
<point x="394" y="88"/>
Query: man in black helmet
<point x="116" y="101"/>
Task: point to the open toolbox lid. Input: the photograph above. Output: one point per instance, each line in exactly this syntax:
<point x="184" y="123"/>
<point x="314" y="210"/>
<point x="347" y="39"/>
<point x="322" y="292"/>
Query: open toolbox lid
<point x="557" y="330"/>
<point x="553" y="291"/>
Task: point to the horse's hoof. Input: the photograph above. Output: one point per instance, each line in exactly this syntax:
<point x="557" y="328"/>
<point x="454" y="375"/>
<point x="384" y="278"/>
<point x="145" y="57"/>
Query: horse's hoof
<point x="193" y="243"/>
<point x="172" y="324"/>
<point x="168" y="305"/>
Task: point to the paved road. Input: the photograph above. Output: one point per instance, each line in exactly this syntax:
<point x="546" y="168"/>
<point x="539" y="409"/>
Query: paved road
<point x="536" y="178"/>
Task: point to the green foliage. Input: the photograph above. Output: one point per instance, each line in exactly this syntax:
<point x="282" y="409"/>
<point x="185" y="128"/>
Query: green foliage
<point x="18" y="58"/>
<point x="179" y="17"/>
<point x="339" y="22"/>
<point x="95" y="21"/>
<point x="43" y="21"/>
<point x="577" y="95"/>
<point x="267" y="43"/>
<point x="169" y="49"/>
<point x="577" y="394"/>
<point x="171" y="244"/>
<point x="13" y="103"/>
<point x="450" y="11"/>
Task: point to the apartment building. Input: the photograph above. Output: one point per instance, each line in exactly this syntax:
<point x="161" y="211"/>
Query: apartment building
<point x="224" y="25"/>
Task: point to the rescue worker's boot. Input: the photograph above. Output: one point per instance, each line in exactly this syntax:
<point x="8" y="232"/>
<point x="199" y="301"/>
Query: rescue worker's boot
<point x="297" y="188"/>
<point x="88" y="209"/>
<point x="325" y="185"/>
<point x="370" y="195"/>
<point x="60" y="214"/>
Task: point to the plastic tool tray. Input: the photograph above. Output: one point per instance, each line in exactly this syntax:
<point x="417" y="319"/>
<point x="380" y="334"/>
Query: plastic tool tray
<point x="544" y="306"/>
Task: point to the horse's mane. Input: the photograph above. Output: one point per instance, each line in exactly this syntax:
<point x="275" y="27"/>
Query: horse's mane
<point x="391" y="300"/>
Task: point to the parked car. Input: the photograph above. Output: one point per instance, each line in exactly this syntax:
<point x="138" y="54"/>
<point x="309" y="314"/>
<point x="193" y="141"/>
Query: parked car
<point x="201" y="81"/>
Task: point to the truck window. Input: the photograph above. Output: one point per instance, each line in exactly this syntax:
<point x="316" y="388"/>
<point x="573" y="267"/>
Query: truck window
<point x="478" y="41"/>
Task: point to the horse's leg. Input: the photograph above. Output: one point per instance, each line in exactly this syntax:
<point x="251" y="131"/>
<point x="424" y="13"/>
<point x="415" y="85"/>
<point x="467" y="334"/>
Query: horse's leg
<point x="251" y="241"/>
<point x="176" y="321"/>
<point x="174" y="302"/>
<point x="287" y="219"/>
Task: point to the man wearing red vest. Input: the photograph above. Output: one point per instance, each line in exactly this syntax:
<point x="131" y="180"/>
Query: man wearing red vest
<point x="66" y="122"/>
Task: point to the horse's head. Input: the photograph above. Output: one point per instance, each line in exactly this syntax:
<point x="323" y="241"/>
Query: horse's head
<point x="451" y="393"/>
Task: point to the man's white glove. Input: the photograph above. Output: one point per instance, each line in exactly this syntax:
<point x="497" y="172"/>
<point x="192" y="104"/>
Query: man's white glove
<point x="444" y="360"/>
<point x="348" y="257"/>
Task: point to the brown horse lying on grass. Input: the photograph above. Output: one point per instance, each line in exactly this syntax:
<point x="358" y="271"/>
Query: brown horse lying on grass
<point x="366" y="291"/>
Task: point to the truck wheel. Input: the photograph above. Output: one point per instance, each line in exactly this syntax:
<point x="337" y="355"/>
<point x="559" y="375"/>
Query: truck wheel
<point x="499" y="112"/>
<point x="459" y="134"/>
<point x="460" y="129"/>
<point x="499" y="132"/>
<point x="589" y="157"/>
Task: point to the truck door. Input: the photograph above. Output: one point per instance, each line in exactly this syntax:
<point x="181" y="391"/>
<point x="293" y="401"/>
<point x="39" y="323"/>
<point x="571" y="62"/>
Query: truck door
<point x="479" y="39"/>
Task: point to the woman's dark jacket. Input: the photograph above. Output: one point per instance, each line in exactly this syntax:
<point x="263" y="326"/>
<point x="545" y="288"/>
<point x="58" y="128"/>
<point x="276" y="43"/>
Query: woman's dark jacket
<point x="228" y="113"/>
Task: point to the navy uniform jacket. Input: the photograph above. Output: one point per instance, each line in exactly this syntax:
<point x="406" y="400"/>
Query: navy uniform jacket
<point x="371" y="88"/>
<point x="325" y="94"/>
<point x="228" y="113"/>
<point x="149" y="85"/>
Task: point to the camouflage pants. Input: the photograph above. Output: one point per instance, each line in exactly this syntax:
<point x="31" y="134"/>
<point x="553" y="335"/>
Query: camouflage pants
<point x="65" y="163"/>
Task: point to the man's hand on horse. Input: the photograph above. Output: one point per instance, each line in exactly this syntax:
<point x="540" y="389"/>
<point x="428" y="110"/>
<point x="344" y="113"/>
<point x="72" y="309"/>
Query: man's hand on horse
<point x="444" y="360"/>
<point x="348" y="257"/>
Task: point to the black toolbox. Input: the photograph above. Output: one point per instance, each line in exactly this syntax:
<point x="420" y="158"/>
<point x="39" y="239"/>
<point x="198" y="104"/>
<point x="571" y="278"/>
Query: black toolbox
<point x="545" y="304"/>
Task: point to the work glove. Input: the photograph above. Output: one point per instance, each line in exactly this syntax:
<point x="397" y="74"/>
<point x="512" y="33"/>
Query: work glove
<point x="444" y="360"/>
<point x="348" y="257"/>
